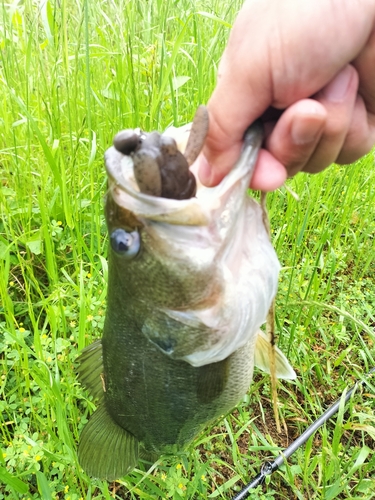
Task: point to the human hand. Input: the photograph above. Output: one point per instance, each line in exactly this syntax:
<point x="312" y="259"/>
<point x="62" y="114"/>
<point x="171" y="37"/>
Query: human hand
<point x="306" y="68"/>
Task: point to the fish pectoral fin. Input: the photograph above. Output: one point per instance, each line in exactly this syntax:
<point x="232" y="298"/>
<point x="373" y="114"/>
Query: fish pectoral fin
<point x="90" y="369"/>
<point x="262" y="358"/>
<point x="106" y="450"/>
<point x="177" y="333"/>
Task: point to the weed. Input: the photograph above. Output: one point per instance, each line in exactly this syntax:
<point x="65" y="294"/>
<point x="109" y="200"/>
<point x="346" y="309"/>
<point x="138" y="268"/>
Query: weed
<point x="71" y="75"/>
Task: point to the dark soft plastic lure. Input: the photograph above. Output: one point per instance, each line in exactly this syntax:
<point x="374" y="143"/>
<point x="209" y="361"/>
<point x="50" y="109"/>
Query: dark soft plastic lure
<point x="191" y="279"/>
<point x="160" y="169"/>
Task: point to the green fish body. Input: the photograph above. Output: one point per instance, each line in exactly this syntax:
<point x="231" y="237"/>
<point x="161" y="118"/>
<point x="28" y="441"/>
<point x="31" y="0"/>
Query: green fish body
<point x="190" y="282"/>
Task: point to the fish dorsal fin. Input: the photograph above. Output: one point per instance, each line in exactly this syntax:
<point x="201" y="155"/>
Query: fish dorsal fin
<point x="90" y="369"/>
<point x="106" y="450"/>
<point x="262" y="358"/>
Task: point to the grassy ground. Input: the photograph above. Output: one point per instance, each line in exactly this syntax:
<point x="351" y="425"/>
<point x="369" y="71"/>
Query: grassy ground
<point x="71" y="75"/>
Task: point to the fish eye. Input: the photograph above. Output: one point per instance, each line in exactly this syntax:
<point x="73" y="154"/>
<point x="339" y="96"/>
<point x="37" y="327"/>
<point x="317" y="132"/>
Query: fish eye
<point x="124" y="243"/>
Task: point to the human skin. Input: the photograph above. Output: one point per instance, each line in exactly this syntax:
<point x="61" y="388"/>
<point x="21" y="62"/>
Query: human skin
<point x="308" y="69"/>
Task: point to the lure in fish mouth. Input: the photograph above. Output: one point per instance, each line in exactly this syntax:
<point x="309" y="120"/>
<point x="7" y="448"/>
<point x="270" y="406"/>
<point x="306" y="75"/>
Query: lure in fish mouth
<point x="160" y="169"/>
<point x="192" y="275"/>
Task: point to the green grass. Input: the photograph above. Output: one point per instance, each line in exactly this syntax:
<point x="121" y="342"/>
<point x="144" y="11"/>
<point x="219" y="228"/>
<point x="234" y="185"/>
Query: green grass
<point x="71" y="75"/>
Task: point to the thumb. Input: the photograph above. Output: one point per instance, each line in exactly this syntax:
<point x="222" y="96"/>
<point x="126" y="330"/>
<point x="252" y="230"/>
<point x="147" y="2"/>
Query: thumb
<point x="243" y="92"/>
<point x="229" y="117"/>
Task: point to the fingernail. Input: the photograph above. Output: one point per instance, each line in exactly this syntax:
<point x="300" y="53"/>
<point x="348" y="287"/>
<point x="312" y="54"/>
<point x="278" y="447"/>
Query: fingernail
<point x="204" y="170"/>
<point x="337" y="89"/>
<point x="305" y="131"/>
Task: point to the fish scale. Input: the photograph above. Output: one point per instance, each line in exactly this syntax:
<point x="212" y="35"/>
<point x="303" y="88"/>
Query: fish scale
<point x="184" y="398"/>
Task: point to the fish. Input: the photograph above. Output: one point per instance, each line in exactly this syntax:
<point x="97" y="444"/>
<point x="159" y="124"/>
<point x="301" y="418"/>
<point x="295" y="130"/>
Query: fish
<point x="191" y="277"/>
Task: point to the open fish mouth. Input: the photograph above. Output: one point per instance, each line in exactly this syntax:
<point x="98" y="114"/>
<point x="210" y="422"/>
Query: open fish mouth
<point x="220" y="231"/>
<point x="196" y="211"/>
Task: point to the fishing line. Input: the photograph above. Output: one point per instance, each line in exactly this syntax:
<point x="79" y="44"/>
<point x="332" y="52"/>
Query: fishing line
<point x="269" y="467"/>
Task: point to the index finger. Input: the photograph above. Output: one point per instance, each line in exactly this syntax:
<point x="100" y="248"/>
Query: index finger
<point x="365" y="66"/>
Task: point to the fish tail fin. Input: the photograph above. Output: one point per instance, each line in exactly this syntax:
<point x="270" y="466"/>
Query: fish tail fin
<point x="262" y="358"/>
<point x="106" y="450"/>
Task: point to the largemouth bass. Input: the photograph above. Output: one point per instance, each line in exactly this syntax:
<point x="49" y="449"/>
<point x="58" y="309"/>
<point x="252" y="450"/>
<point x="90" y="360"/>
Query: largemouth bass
<point x="192" y="275"/>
